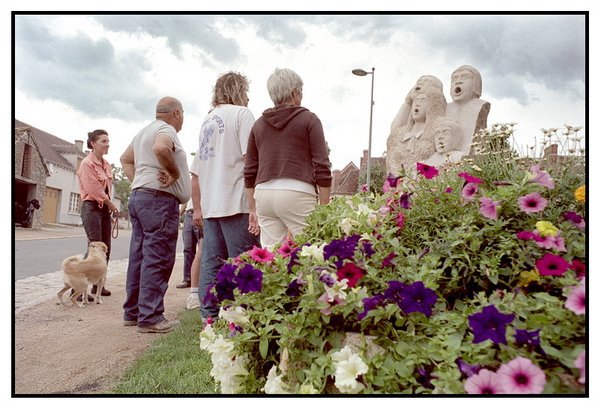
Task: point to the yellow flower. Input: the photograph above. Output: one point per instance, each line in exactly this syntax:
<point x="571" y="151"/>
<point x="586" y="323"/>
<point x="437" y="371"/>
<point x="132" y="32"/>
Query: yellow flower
<point x="546" y="229"/>
<point x="527" y="277"/>
<point x="580" y="194"/>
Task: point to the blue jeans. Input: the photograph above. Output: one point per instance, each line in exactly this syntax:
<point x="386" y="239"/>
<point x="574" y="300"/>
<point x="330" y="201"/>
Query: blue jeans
<point x="96" y="223"/>
<point x="155" y="225"/>
<point x="224" y="237"/>
<point x="191" y="235"/>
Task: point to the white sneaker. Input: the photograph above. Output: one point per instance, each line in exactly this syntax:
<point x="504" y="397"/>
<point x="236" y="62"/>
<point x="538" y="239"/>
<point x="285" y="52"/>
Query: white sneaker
<point x="193" y="301"/>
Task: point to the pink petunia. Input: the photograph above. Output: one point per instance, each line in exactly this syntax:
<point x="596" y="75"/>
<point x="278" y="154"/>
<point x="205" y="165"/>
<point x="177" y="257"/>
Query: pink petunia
<point x="532" y="203"/>
<point x="526" y="235"/>
<point x="469" y="191"/>
<point x="470" y="178"/>
<point x="580" y="364"/>
<point x="399" y="219"/>
<point x="286" y="248"/>
<point x="576" y="298"/>
<point x="488" y="208"/>
<point x="552" y="265"/>
<point x="485" y="382"/>
<point x="550" y="242"/>
<point x="261" y="255"/>
<point x="541" y="177"/>
<point x="521" y="376"/>
<point x="428" y="171"/>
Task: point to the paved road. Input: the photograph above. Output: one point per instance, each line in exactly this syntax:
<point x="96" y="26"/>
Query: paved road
<point x="45" y="255"/>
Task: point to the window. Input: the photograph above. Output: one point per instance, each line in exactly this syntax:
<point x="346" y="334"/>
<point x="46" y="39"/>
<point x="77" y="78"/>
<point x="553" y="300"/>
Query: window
<point x="74" y="203"/>
<point x="26" y="163"/>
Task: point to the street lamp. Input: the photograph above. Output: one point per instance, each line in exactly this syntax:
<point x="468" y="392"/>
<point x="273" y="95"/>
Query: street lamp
<point x="362" y="73"/>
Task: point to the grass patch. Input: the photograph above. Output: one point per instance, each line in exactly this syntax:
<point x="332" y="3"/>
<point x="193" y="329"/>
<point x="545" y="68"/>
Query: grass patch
<point x="173" y="365"/>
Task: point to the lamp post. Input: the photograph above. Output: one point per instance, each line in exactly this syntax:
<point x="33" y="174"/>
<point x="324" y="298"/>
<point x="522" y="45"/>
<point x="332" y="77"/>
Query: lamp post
<point x="361" y="73"/>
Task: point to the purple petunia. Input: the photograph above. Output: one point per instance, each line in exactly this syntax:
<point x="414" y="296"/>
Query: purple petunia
<point x="393" y="292"/>
<point x="490" y="324"/>
<point x="368" y="249"/>
<point x="417" y="298"/>
<point x="467" y="369"/>
<point x="488" y="208"/>
<point x="370" y="303"/>
<point x="532" y="203"/>
<point x="391" y="182"/>
<point x="249" y="279"/>
<point x="343" y="249"/>
<point x="529" y="338"/>
<point x="429" y="172"/>
<point x="225" y="282"/>
<point x="327" y="279"/>
<point x="294" y="288"/>
<point x="405" y="200"/>
<point x="574" y="218"/>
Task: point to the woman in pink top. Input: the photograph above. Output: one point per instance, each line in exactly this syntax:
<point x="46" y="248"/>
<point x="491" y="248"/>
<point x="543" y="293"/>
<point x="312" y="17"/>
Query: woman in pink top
<point x="95" y="185"/>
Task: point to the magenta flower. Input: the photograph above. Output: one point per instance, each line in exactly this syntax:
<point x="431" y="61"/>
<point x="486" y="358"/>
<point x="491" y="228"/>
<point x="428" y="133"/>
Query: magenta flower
<point x="490" y="324"/>
<point x="428" y="171"/>
<point x="579" y="268"/>
<point x="448" y="189"/>
<point x="521" y="376"/>
<point x="364" y="188"/>
<point x="526" y="235"/>
<point x="580" y="364"/>
<point x="541" y="177"/>
<point x="261" y="255"/>
<point x="485" y="382"/>
<point x="550" y="242"/>
<point x="488" y="208"/>
<point x="399" y="219"/>
<point x="574" y="218"/>
<point x="576" y="299"/>
<point x="391" y="182"/>
<point x="470" y="178"/>
<point x="286" y="248"/>
<point x="552" y="265"/>
<point x="469" y="191"/>
<point x="532" y="203"/>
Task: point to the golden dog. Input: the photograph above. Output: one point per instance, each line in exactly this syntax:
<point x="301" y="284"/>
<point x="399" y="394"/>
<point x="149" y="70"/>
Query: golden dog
<point x="80" y="272"/>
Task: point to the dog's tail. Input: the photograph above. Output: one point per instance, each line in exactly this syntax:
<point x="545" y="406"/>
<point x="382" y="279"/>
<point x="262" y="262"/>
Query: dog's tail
<point x="70" y="260"/>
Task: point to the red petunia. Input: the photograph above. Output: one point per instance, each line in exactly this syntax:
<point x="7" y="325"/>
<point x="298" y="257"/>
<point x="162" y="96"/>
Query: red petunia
<point x="351" y="272"/>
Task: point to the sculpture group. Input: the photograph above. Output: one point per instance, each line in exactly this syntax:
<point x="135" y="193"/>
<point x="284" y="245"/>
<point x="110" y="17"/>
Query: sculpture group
<point x="429" y="130"/>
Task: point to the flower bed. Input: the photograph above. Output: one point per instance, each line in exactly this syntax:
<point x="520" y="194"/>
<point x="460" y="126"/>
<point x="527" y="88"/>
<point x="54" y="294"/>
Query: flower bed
<point x="464" y="280"/>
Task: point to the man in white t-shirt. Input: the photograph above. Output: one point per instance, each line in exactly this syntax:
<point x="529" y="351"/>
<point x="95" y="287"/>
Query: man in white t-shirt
<point x="218" y="192"/>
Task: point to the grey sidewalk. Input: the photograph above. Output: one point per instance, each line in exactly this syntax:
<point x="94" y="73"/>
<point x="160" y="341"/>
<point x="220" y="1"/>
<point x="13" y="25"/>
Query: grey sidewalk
<point x="35" y="290"/>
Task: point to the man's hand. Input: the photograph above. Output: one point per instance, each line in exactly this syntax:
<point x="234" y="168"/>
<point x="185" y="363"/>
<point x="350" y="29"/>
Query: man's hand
<point x="165" y="178"/>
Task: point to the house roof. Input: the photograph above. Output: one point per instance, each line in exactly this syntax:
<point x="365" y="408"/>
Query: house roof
<point x="346" y="183"/>
<point x="51" y="147"/>
<point x="37" y="148"/>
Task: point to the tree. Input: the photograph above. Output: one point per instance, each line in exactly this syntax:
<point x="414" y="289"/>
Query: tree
<point x="122" y="186"/>
<point x="378" y="176"/>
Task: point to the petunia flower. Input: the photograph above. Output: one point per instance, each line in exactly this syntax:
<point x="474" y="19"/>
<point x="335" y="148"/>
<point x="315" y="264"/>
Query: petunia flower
<point x="388" y="261"/>
<point x="490" y="324"/>
<point x="521" y="376"/>
<point x="429" y="172"/>
<point x="529" y="338"/>
<point x="370" y="303"/>
<point x="261" y="255"/>
<point x="546" y="229"/>
<point x="579" y="268"/>
<point x="225" y="282"/>
<point x="249" y="279"/>
<point x="294" y="288"/>
<point x="527" y="277"/>
<point x="368" y="249"/>
<point x="550" y="242"/>
<point x="350" y="272"/>
<point x="470" y="178"/>
<point x="552" y="265"/>
<point x="235" y="315"/>
<point x="576" y="298"/>
<point x="485" y="382"/>
<point x="347" y="371"/>
<point x="313" y="251"/>
<point x="580" y="364"/>
<point x="285" y="249"/>
<point x="488" y="208"/>
<point x="469" y="191"/>
<point x="580" y="194"/>
<point x="417" y="298"/>
<point x="399" y="220"/>
<point x="541" y="177"/>
<point x="405" y="200"/>
<point x="394" y="292"/>
<point x="343" y="249"/>
<point x="274" y="384"/>
<point x="364" y="187"/>
<point x="467" y="369"/>
<point x="532" y="203"/>
<point x="574" y="218"/>
<point x="448" y="189"/>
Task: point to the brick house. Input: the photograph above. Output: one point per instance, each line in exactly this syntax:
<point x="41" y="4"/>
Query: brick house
<point x="59" y="199"/>
<point x="346" y="181"/>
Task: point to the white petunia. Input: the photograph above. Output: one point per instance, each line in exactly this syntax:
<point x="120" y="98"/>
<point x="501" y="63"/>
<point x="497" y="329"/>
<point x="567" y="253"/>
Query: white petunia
<point x="343" y="354"/>
<point x="337" y="290"/>
<point x="307" y="389"/>
<point x="274" y="384"/>
<point x="207" y="337"/>
<point x="364" y="209"/>
<point x="236" y="315"/>
<point x="347" y="371"/>
<point x="313" y="251"/>
<point x="347" y="225"/>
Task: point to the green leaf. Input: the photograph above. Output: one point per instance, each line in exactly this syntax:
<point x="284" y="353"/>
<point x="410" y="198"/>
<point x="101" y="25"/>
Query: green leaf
<point x="263" y="347"/>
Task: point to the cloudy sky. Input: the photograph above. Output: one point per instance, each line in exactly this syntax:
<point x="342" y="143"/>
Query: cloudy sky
<point x="76" y="73"/>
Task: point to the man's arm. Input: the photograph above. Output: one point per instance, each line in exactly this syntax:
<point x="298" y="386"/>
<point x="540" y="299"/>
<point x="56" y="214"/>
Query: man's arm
<point x="128" y="163"/>
<point x="196" y="204"/>
<point x="163" y="149"/>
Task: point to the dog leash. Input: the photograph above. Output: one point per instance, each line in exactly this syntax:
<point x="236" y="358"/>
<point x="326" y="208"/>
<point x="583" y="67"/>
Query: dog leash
<point x="115" y="227"/>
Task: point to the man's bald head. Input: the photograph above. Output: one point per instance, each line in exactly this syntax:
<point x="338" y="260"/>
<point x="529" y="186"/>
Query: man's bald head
<point x="170" y="110"/>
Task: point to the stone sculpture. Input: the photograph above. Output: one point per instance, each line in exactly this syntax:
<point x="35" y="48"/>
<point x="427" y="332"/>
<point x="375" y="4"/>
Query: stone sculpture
<point x="466" y="107"/>
<point x="448" y="142"/>
<point x="414" y="142"/>
<point x="412" y="136"/>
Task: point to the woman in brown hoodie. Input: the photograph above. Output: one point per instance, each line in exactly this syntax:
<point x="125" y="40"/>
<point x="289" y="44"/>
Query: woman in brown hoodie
<point x="287" y="165"/>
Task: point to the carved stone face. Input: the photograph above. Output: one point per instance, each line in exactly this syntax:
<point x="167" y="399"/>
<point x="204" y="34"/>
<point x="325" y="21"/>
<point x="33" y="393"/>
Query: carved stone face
<point x="463" y="86"/>
<point x="445" y="139"/>
<point x="419" y="108"/>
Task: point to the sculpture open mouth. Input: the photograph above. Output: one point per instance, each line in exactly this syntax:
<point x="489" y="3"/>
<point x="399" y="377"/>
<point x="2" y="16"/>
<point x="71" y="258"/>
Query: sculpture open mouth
<point x="418" y="88"/>
<point x="457" y="90"/>
<point x="416" y="110"/>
